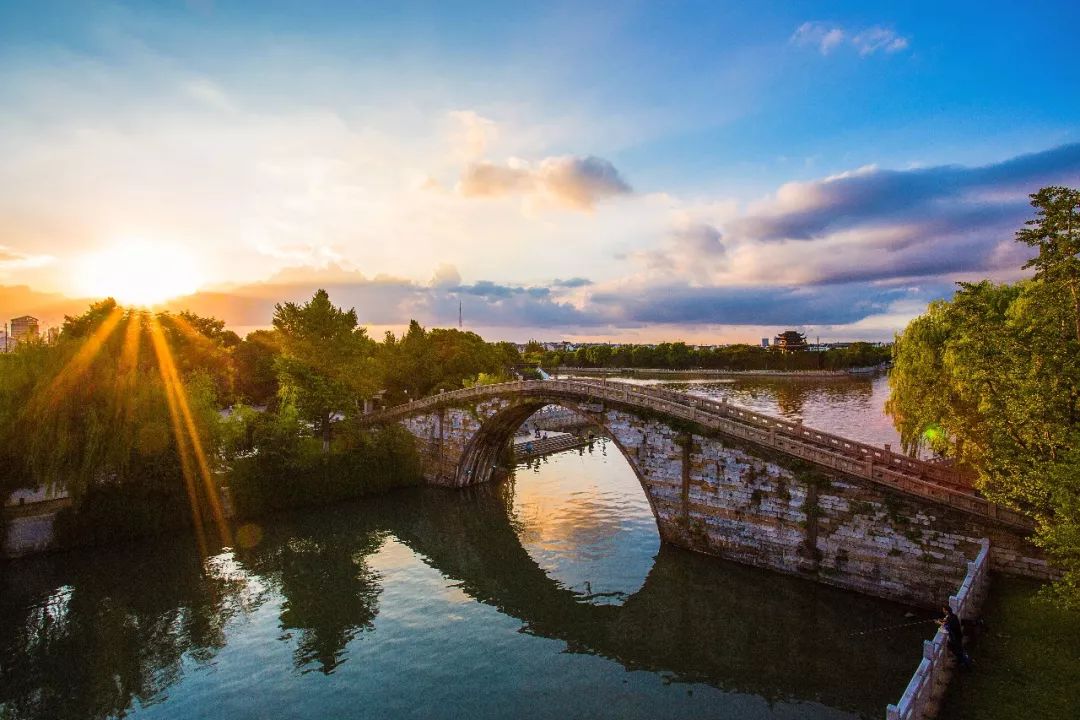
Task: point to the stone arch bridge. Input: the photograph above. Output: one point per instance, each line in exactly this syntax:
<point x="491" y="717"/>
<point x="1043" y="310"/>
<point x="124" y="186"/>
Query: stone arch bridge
<point x="746" y="486"/>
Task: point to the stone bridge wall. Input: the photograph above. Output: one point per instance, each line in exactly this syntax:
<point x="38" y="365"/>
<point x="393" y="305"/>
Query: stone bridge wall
<point x="728" y="498"/>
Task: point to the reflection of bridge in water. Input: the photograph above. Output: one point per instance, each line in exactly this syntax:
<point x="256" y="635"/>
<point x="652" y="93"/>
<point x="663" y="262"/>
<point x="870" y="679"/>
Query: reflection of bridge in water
<point x="150" y="610"/>
<point x="733" y="627"/>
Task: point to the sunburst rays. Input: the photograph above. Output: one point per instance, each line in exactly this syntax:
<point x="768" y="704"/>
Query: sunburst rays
<point x="76" y="368"/>
<point x="199" y="481"/>
<point x="182" y="420"/>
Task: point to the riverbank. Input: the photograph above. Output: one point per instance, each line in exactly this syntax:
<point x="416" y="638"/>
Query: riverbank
<point x="1027" y="660"/>
<point x="612" y="372"/>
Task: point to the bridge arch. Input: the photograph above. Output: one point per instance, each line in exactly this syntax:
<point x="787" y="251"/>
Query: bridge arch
<point x="480" y="457"/>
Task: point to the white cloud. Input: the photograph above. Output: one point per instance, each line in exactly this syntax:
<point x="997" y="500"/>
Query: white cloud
<point x="878" y="38"/>
<point x="827" y="37"/>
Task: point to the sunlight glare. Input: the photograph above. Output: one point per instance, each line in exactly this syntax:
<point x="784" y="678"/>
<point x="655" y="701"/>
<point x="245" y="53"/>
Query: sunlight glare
<point x="139" y="273"/>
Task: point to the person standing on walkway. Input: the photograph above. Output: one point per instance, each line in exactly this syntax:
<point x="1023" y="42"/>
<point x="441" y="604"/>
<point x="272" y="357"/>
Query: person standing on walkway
<point x="955" y="629"/>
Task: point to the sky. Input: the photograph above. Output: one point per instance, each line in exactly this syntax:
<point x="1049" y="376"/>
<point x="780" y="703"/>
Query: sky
<point x="626" y="172"/>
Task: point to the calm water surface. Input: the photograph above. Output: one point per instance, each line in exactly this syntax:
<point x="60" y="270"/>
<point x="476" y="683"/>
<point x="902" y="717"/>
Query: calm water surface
<point x="546" y="596"/>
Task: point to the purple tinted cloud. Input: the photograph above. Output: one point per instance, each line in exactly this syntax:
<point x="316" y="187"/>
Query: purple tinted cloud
<point x="803" y="211"/>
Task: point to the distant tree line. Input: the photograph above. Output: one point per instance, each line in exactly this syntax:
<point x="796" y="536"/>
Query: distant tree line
<point x="680" y="356"/>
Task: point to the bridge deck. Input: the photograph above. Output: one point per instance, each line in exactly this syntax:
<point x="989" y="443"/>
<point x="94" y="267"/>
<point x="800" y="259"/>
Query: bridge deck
<point x="892" y="469"/>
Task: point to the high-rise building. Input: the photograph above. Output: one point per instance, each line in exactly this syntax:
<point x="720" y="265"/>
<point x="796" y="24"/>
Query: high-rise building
<point x="24" y="327"/>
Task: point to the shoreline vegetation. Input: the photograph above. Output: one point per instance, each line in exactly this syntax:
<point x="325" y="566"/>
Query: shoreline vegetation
<point x="726" y="358"/>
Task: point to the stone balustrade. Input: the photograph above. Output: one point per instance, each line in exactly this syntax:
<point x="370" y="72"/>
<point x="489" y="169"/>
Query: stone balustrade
<point x="922" y="697"/>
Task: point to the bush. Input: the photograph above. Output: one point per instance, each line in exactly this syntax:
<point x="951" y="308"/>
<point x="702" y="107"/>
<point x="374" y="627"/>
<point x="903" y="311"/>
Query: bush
<point x="296" y="473"/>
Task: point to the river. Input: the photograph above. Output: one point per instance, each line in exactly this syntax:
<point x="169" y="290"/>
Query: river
<point x="852" y="406"/>
<point x="548" y="595"/>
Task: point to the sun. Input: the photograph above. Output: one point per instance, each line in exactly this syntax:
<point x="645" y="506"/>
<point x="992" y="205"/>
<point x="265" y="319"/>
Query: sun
<point x="138" y="272"/>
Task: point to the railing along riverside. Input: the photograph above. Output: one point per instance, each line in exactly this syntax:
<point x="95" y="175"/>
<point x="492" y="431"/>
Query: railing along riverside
<point x="923" y="695"/>
<point x="832" y="451"/>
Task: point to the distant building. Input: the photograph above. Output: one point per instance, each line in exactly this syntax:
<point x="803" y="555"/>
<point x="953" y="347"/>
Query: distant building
<point x="790" y="341"/>
<point x="24" y="327"/>
<point x="764" y="342"/>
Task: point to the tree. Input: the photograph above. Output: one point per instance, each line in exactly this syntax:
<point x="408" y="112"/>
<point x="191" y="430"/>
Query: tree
<point x="117" y="416"/>
<point x="256" y="371"/>
<point x="326" y="363"/>
<point x="1055" y="232"/>
<point x="992" y="380"/>
<point x="425" y="361"/>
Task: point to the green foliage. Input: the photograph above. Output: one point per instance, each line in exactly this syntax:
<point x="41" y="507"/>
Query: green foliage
<point x="992" y="380"/>
<point x="326" y="365"/>
<point x="423" y="362"/>
<point x="483" y="379"/>
<point x="255" y="360"/>
<point x="275" y="467"/>
<point x="94" y="408"/>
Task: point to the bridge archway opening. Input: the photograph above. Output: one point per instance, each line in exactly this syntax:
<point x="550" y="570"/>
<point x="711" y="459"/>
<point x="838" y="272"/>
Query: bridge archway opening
<point x="584" y="515"/>
<point x="480" y="462"/>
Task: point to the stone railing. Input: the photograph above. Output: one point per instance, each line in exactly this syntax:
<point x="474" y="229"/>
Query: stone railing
<point x="702" y="371"/>
<point x="852" y="448"/>
<point x="878" y="465"/>
<point x="923" y="695"/>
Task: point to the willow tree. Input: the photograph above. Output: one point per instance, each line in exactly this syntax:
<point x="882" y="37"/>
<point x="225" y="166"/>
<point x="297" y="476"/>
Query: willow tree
<point x="326" y="365"/>
<point x="119" y="413"/>
<point x="992" y="380"/>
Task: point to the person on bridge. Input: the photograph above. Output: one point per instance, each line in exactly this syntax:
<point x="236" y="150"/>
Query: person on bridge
<point x="955" y="629"/>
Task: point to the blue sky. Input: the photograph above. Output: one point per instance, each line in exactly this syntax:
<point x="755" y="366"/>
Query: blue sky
<point x="712" y="171"/>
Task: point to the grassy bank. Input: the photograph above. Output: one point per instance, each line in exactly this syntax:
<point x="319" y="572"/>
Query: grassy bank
<point x="1027" y="660"/>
